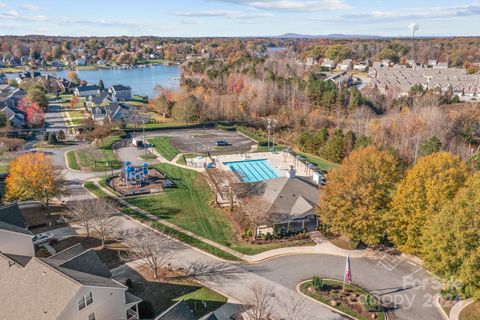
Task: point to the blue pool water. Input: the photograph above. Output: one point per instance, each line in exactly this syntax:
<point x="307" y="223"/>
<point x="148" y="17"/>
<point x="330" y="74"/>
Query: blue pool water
<point x="253" y="170"/>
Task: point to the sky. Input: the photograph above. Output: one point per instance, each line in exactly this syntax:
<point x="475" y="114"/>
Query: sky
<point x="204" y="18"/>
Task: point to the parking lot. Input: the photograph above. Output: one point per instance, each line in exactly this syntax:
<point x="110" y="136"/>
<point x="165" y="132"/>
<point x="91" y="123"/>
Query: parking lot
<point x="204" y="140"/>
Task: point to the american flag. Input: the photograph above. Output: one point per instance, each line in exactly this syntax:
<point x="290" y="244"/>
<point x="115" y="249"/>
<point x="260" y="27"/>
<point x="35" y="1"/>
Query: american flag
<point x="348" y="272"/>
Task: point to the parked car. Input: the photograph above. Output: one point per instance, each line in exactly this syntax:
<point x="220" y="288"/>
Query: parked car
<point x="41" y="238"/>
<point x="222" y="143"/>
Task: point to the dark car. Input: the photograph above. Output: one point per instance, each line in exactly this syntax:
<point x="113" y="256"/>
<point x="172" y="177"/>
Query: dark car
<point x="222" y="143"/>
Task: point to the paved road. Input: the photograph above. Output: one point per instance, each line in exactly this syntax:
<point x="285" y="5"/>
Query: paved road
<point x="54" y="120"/>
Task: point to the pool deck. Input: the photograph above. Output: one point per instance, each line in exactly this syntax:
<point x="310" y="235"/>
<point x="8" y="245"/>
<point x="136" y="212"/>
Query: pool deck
<point x="279" y="161"/>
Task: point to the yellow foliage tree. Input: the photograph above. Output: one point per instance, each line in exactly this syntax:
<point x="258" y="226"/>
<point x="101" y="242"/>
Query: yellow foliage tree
<point x="34" y="176"/>
<point x="427" y="187"/>
<point x="451" y="245"/>
<point x="355" y="200"/>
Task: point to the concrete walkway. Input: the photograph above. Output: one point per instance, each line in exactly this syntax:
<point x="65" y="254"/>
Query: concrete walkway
<point x="320" y="248"/>
<point x="458" y="307"/>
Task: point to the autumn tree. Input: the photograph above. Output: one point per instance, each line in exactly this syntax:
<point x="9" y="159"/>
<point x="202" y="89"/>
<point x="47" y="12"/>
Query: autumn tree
<point x="451" y="244"/>
<point x="34" y="176"/>
<point x="355" y="201"/>
<point x="72" y="75"/>
<point x="431" y="183"/>
<point x="35" y="115"/>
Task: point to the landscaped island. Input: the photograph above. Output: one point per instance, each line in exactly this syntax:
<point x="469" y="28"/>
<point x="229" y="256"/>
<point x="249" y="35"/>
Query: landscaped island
<point x="350" y="300"/>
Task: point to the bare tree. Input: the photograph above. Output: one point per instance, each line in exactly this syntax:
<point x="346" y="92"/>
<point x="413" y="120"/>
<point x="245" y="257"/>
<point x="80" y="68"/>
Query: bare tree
<point x="148" y="248"/>
<point x="260" y="303"/>
<point x="104" y="220"/>
<point x="227" y="185"/>
<point x="83" y="211"/>
<point x="293" y="305"/>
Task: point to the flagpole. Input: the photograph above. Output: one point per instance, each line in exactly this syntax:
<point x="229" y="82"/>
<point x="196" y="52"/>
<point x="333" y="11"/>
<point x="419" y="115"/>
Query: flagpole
<point x="345" y="274"/>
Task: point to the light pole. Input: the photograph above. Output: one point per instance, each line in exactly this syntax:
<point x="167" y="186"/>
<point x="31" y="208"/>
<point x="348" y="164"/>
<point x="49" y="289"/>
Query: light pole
<point x="269" y="127"/>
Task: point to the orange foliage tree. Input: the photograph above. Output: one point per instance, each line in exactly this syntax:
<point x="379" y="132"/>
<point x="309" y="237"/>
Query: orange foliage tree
<point x="34" y="176"/>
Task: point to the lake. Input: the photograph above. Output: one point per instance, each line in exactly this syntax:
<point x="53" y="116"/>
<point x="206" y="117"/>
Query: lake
<point x="142" y="80"/>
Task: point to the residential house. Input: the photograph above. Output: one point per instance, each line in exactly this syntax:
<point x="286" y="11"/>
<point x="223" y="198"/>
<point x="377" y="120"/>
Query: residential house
<point x="179" y="311"/>
<point x="386" y="63"/>
<point x="118" y="112"/>
<point x="14" y="116"/>
<point x="292" y="202"/>
<point x="73" y="284"/>
<point x="328" y="64"/>
<point x="101" y="62"/>
<point x="57" y="63"/>
<point x="3" y="79"/>
<point x="441" y="65"/>
<point x="361" y="66"/>
<point x="120" y="92"/>
<point x="95" y="101"/>
<point x="1" y="63"/>
<point x="346" y="65"/>
<point x="85" y="91"/>
<point x="342" y="79"/>
<point x="25" y="76"/>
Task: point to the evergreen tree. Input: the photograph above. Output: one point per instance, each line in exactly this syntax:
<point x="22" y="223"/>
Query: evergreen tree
<point x="430" y="146"/>
<point x="333" y="150"/>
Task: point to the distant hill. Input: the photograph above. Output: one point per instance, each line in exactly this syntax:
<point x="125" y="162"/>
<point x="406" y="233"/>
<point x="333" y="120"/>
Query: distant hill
<point x="327" y="36"/>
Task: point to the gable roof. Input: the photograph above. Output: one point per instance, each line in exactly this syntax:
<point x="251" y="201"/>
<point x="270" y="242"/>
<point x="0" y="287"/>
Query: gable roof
<point x="13" y="228"/>
<point x="120" y="87"/>
<point x="68" y="253"/>
<point x="179" y="311"/>
<point x="88" y="88"/>
<point x="293" y="197"/>
<point x="11" y="214"/>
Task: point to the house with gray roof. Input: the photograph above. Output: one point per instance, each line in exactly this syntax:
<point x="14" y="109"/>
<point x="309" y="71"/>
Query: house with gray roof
<point x="120" y="92"/>
<point x="85" y="91"/>
<point x="72" y="284"/>
<point x="179" y="311"/>
<point x="292" y="202"/>
<point x="3" y="78"/>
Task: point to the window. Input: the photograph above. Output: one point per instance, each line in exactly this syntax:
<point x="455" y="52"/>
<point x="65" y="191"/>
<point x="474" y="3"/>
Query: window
<point x="85" y="301"/>
<point x="91" y="316"/>
<point x="89" y="298"/>
<point x="81" y="303"/>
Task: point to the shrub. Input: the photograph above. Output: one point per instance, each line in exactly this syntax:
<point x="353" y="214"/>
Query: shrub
<point x="129" y="283"/>
<point x="46" y="135"/>
<point x="52" y="138"/>
<point x="146" y="310"/>
<point x="317" y="283"/>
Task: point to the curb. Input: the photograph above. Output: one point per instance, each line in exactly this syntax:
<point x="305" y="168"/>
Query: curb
<point x="297" y="288"/>
<point x="436" y="302"/>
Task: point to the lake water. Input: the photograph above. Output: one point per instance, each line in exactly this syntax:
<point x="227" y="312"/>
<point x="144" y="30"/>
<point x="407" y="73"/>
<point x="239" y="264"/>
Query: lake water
<point x="142" y="80"/>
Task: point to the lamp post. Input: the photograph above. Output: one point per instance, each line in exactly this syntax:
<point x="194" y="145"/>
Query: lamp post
<point x="269" y="127"/>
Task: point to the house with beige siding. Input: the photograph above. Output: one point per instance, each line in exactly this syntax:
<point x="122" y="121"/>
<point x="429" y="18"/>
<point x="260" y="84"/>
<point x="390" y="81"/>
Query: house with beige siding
<point x="73" y="284"/>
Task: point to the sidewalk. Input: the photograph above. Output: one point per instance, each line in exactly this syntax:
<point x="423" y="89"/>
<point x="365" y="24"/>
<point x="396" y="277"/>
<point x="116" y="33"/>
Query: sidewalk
<point x="458" y="307"/>
<point x="321" y="248"/>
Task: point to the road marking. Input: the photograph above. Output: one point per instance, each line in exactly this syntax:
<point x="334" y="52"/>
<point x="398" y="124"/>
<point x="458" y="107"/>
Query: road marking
<point x="389" y="262"/>
<point x="411" y="274"/>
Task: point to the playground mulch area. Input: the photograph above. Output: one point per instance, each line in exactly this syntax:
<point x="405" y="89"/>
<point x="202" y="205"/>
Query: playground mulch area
<point x="155" y="184"/>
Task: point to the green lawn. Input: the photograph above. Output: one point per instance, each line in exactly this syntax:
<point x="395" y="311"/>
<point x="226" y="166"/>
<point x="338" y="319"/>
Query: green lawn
<point x="94" y="157"/>
<point x="188" y="206"/>
<point x="320" y="162"/>
<point x="337" y="285"/>
<point x="195" y="300"/>
<point x="72" y="160"/>
<point x="472" y="312"/>
<point x="76" y="114"/>
<point x="164" y="147"/>
<point x="4" y="167"/>
<point x="93" y="188"/>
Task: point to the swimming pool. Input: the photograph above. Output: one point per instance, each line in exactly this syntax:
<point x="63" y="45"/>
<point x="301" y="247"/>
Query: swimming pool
<point x="253" y="170"/>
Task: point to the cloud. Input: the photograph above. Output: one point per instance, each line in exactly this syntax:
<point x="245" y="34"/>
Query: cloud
<point x="30" y="7"/>
<point x="292" y="5"/>
<point x="11" y="14"/>
<point x="3" y="5"/>
<point x="222" y="13"/>
<point x="190" y="21"/>
<point x="65" y="21"/>
<point x="432" y="13"/>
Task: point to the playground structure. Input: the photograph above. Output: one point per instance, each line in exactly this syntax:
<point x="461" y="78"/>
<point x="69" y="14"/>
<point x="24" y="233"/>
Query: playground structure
<point x="137" y="180"/>
<point x="135" y="175"/>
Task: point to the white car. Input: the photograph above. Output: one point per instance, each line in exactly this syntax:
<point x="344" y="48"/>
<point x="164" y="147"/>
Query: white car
<point x="42" y="238"/>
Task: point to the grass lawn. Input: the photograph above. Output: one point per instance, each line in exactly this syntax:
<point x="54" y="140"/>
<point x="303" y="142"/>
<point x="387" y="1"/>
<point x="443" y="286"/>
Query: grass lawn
<point x="46" y="145"/>
<point x="332" y="290"/>
<point x="4" y="167"/>
<point x="94" y="158"/>
<point x="76" y="114"/>
<point x="188" y="206"/>
<point x="148" y="156"/>
<point x="164" y="147"/>
<point x="320" y="162"/>
<point x="72" y="160"/>
<point x="472" y="312"/>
